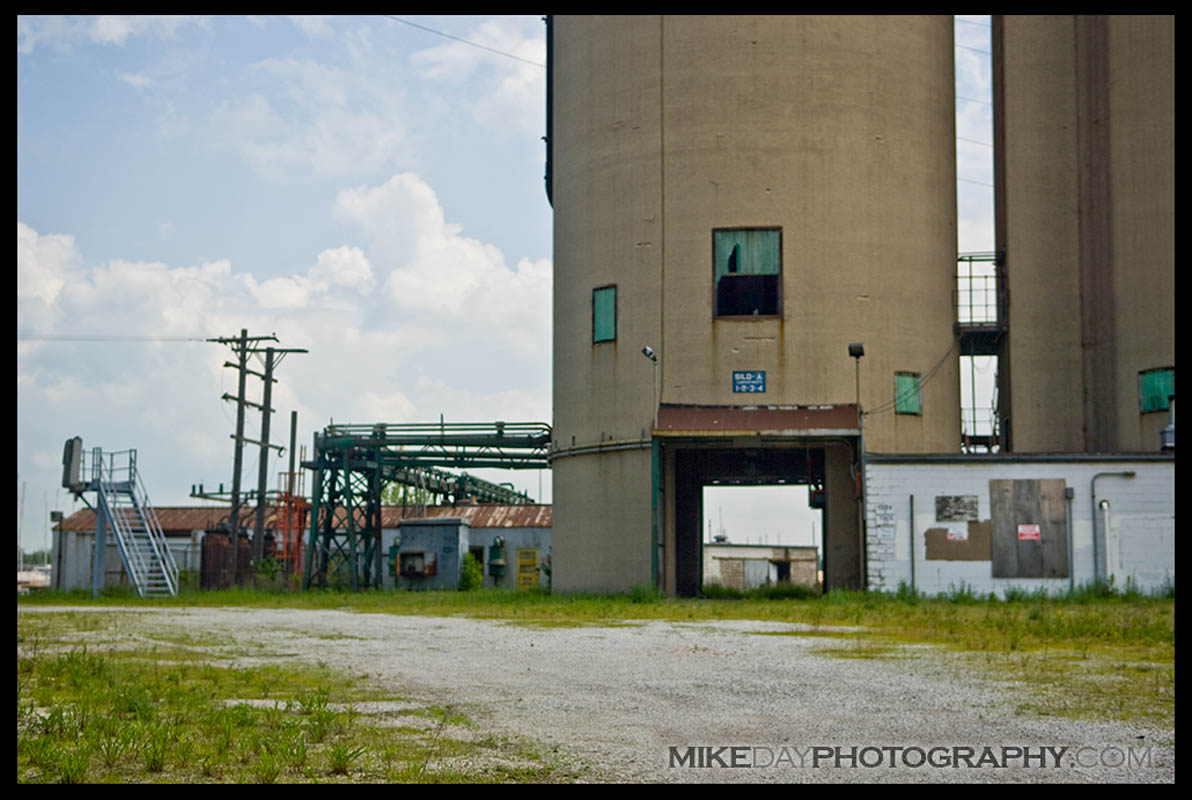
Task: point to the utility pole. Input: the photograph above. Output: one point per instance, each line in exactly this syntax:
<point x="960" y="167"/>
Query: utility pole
<point x="238" y="460"/>
<point x="273" y="357"/>
<point x="20" y="525"/>
<point x="239" y="346"/>
<point x="258" y="533"/>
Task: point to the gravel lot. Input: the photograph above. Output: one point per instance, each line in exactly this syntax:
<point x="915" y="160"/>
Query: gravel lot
<point x="620" y="698"/>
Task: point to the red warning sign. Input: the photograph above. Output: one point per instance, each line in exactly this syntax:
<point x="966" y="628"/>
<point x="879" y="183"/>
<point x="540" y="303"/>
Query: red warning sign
<point x="1028" y="532"/>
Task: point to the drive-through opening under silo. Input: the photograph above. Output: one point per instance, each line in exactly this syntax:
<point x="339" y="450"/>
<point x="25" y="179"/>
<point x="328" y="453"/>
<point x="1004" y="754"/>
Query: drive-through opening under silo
<point x="690" y="457"/>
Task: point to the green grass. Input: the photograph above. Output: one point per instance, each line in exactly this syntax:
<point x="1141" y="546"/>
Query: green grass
<point x="1091" y="620"/>
<point x="1095" y="653"/>
<point x="85" y="716"/>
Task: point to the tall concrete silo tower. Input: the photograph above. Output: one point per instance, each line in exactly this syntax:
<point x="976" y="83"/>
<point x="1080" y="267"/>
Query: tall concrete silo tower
<point x="745" y="197"/>
<point x="1085" y="172"/>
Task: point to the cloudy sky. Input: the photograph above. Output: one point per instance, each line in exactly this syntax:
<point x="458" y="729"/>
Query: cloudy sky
<point x="358" y="186"/>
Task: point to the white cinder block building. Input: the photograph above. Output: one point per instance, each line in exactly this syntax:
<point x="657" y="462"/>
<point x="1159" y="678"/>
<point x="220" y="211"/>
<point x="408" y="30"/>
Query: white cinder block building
<point x="938" y="523"/>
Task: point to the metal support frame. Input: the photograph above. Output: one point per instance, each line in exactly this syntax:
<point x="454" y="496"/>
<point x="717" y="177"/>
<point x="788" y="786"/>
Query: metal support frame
<point x="354" y="463"/>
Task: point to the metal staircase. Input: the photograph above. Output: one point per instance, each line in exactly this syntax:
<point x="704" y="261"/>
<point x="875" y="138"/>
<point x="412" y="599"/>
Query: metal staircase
<point x="125" y="507"/>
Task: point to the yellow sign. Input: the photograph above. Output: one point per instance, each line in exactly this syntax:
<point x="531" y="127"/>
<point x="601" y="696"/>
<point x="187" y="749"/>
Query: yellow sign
<point x="527" y="568"/>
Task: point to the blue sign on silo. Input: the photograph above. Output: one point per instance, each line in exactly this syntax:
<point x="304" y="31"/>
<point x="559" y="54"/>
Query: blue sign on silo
<point x="749" y="381"/>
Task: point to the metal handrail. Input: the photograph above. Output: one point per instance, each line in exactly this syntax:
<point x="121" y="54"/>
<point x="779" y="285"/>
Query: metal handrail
<point x="121" y="515"/>
<point x="156" y="538"/>
<point x="110" y="500"/>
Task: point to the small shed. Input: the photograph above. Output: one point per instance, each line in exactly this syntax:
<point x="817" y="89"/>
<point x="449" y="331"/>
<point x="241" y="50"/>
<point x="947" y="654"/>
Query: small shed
<point x="751" y="566"/>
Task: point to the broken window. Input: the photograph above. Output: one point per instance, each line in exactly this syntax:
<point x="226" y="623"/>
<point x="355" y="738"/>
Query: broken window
<point x="1155" y="386"/>
<point x="747" y="272"/>
<point x="908" y="393"/>
<point x="604" y="314"/>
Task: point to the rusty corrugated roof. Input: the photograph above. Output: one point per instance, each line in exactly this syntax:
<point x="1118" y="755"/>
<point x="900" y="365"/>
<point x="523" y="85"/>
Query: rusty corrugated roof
<point x="822" y="420"/>
<point x="175" y="519"/>
<point x="478" y="516"/>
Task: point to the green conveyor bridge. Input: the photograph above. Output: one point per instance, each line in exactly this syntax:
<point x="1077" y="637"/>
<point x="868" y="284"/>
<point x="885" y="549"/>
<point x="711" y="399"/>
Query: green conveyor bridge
<point x="353" y="464"/>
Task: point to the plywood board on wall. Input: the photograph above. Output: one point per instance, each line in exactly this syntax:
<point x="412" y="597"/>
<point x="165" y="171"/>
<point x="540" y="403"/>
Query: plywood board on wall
<point x="1019" y="549"/>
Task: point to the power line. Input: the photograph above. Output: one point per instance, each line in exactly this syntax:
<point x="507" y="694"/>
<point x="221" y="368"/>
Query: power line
<point x="465" y="41"/>
<point x="974" y="49"/>
<point x="979" y="183"/>
<point x="974" y="141"/>
<point x="889" y="405"/>
<point x="100" y="338"/>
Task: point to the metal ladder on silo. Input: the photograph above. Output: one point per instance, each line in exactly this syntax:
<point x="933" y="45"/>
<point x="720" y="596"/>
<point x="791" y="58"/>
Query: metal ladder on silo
<point x="139" y="538"/>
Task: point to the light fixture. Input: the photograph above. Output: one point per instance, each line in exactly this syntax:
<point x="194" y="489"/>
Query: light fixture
<point x="856" y="350"/>
<point x="648" y="352"/>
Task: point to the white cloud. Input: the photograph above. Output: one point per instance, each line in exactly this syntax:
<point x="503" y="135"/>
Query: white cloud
<point x="281" y="293"/>
<point x="108" y="30"/>
<point x="44" y="263"/>
<point x="312" y="24"/>
<point x="511" y="100"/>
<point x="331" y="120"/>
<point x="432" y="271"/>
<point x="135" y="81"/>
<point x="343" y="267"/>
<point x="335" y="270"/>
<point x="393" y="407"/>
<point x="412" y="321"/>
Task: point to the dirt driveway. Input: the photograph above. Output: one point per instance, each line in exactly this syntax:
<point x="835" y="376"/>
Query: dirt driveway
<point x="674" y="702"/>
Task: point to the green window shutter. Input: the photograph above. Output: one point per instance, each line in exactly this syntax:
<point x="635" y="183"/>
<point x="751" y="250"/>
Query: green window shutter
<point x="747" y="252"/>
<point x="1154" y="387"/>
<point x="747" y="272"/>
<point x="908" y="394"/>
<point x="604" y="314"/>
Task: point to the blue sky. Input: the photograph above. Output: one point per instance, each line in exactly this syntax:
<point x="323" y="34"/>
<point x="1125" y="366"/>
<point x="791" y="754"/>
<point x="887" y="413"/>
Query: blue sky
<point x="363" y="188"/>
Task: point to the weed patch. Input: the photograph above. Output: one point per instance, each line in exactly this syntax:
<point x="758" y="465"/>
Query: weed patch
<point x="87" y="717"/>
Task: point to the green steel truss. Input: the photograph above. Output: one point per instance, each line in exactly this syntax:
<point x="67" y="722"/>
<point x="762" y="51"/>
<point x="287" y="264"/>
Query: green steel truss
<point x="354" y="463"/>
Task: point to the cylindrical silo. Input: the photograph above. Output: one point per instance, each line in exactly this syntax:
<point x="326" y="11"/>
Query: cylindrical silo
<point x="743" y="195"/>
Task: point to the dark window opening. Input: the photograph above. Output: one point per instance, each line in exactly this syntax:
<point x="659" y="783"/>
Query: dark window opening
<point x="747" y="271"/>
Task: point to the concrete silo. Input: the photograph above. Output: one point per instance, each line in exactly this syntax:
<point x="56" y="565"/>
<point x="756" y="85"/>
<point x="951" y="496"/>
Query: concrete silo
<point x="746" y="196"/>
<point x="1085" y="172"/>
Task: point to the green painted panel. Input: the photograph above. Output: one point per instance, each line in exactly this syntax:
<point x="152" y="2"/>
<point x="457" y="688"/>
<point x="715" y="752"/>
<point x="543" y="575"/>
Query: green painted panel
<point x="604" y="314"/>
<point x="1154" y="387"/>
<point x="908" y="395"/>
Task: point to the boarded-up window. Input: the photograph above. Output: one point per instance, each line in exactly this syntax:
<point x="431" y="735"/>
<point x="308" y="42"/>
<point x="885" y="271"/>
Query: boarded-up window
<point x="955" y="508"/>
<point x="1155" y="386"/>
<point x="604" y="314"/>
<point x="1030" y="536"/>
<point x="747" y="272"/>
<point x="908" y="396"/>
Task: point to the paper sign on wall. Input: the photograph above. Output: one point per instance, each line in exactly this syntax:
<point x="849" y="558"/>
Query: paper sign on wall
<point x="1028" y="532"/>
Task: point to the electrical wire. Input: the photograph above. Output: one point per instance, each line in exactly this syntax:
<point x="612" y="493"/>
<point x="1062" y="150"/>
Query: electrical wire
<point x="100" y="338"/>
<point x="465" y="41"/>
<point x="890" y="405"/>
<point x="974" y="141"/>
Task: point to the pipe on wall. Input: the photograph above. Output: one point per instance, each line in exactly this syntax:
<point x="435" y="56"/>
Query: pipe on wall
<point x="1070" y="493"/>
<point x="1098" y="551"/>
<point x="913" y="590"/>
